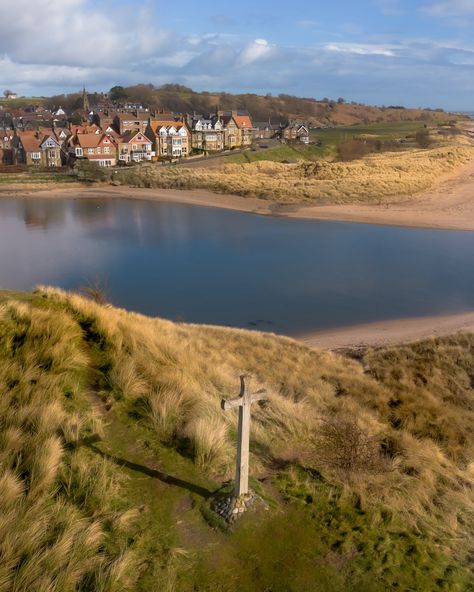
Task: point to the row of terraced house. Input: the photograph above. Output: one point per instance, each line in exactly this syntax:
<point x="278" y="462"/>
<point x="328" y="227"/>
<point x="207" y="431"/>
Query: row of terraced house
<point x="111" y="138"/>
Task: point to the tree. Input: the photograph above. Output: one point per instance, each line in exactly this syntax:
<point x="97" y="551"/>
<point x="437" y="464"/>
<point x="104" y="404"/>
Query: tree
<point x="341" y="100"/>
<point x="117" y="94"/>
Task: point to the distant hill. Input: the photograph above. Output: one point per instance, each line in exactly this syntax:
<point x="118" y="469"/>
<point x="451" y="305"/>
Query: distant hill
<point x="318" y="113"/>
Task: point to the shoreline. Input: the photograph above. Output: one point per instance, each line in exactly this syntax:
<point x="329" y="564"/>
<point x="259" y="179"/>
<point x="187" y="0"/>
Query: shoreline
<point x="449" y="205"/>
<point x="387" y="333"/>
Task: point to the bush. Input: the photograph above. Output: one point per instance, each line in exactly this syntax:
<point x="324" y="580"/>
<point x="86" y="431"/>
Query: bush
<point x="90" y="172"/>
<point x="423" y="138"/>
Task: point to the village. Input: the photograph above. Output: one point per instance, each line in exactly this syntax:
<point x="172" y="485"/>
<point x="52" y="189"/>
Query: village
<point x="110" y="135"/>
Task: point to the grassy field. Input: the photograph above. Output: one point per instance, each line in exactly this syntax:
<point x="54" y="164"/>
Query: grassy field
<point x="112" y="443"/>
<point x="31" y="177"/>
<point x="329" y="139"/>
<point x="21" y="102"/>
<point x="279" y="154"/>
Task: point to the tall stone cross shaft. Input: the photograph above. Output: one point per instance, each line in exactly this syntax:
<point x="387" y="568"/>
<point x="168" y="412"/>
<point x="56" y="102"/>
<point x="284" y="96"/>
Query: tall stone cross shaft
<point x="243" y="402"/>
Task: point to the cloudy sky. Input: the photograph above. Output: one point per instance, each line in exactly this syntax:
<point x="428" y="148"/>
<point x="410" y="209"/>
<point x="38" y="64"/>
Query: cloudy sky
<point x="411" y="52"/>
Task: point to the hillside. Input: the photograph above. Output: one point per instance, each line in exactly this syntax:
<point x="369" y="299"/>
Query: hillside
<point x="112" y="443"/>
<point x="318" y="113"/>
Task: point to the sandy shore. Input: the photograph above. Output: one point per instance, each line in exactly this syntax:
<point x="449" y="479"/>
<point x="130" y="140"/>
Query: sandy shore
<point x="388" y="333"/>
<point x="449" y="205"/>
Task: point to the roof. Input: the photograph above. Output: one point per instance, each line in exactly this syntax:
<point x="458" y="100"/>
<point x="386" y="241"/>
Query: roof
<point x="93" y="140"/>
<point x="87" y="129"/>
<point x="157" y="125"/>
<point x="243" y="121"/>
<point x="129" y="136"/>
<point x="29" y="141"/>
<point x="133" y="116"/>
<point x="88" y="140"/>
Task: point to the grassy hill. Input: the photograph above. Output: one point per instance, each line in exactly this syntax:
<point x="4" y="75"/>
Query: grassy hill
<point x="112" y="444"/>
<point x="324" y="112"/>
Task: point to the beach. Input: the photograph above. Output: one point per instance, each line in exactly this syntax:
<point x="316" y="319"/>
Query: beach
<point x="388" y="333"/>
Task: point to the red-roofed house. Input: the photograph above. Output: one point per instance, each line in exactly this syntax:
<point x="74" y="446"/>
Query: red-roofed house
<point x="27" y="149"/>
<point x="238" y="130"/>
<point x="171" y="139"/>
<point x="101" y="149"/>
<point x="134" y="146"/>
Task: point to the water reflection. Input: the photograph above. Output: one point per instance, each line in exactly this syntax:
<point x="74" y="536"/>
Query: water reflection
<point x="217" y="266"/>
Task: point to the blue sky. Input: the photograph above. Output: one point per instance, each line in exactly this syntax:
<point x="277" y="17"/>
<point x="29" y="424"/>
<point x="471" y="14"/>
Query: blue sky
<point x="416" y="53"/>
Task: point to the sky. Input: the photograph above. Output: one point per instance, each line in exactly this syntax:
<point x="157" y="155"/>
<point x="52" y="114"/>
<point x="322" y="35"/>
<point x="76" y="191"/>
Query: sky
<point x="384" y="52"/>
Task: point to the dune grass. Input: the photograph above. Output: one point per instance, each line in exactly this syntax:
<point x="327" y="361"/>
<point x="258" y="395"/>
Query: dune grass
<point x="112" y="439"/>
<point x="373" y="179"/>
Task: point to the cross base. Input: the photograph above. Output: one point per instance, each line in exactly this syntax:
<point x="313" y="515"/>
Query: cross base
<point x="231" y="508"/>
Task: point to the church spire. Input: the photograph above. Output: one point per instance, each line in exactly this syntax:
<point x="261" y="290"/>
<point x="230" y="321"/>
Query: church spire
<point x="85" y="100"/>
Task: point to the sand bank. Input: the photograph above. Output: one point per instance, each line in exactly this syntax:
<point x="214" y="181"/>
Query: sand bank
<point x="388" y="333"/>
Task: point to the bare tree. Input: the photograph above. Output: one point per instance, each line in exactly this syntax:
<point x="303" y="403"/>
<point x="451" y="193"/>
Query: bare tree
<point x="342" y="445"/>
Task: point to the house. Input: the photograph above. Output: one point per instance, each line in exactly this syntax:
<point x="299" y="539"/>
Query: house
<point x="6" y="145"/>
<point x="238" y="129"/>
<point x="11" y="95"/>
<point x="27" y="149"/>
<point x="134" y="146"/>
<point x="207" y="134"/>
<point x="264" y="130"/>
<point x="132" y="121"/>
<point x="98" y="148"/>
<point x="51" y="152"/>
<point x="294" y="132"/>
<point x="245" y="127"/>
<point x="171" y="139"/>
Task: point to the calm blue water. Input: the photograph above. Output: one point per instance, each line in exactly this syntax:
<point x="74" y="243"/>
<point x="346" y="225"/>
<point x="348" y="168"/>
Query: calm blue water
<point x="216" y="266"/>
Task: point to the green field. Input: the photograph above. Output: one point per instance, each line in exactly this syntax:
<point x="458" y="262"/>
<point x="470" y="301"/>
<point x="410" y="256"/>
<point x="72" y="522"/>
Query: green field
<point x="21" y="102"/>
<point x="279" y="154"/>
<point x="27" y="178"/>
<point x="328" y="140"/>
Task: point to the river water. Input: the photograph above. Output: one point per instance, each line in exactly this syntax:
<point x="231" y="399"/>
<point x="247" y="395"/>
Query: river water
<point x="216" y="266"/>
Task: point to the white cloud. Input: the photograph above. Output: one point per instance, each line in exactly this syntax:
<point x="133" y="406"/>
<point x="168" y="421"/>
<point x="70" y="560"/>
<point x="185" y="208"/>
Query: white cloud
<point x="450" y="8"/>
<point x="256" y="51"/>
<point x="77" y="33"/>
<point x="360" y="49"/>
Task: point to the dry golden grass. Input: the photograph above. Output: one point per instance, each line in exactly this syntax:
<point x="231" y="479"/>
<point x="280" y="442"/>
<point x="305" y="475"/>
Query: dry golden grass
<point x="50" y="532"/>
<point x="177" y="374"/>
<point x="372" y="179"/>
<point x="411" y="413"/>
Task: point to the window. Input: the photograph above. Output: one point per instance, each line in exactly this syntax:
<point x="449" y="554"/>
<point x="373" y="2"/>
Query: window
<point x="90" y="151"/>
<point x="107" y="150"/>
<point x="134" y="146"/>
<point x="79" y="152"/>
<point x="35" y="156"/>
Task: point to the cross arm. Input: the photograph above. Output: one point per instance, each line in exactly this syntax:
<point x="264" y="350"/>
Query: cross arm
<point x="227" y="404"/>
<point x="260" y="396"/>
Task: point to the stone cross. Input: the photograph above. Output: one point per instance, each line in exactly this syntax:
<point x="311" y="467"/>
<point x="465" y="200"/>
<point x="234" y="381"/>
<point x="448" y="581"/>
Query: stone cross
<point x="243" y="402"/>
